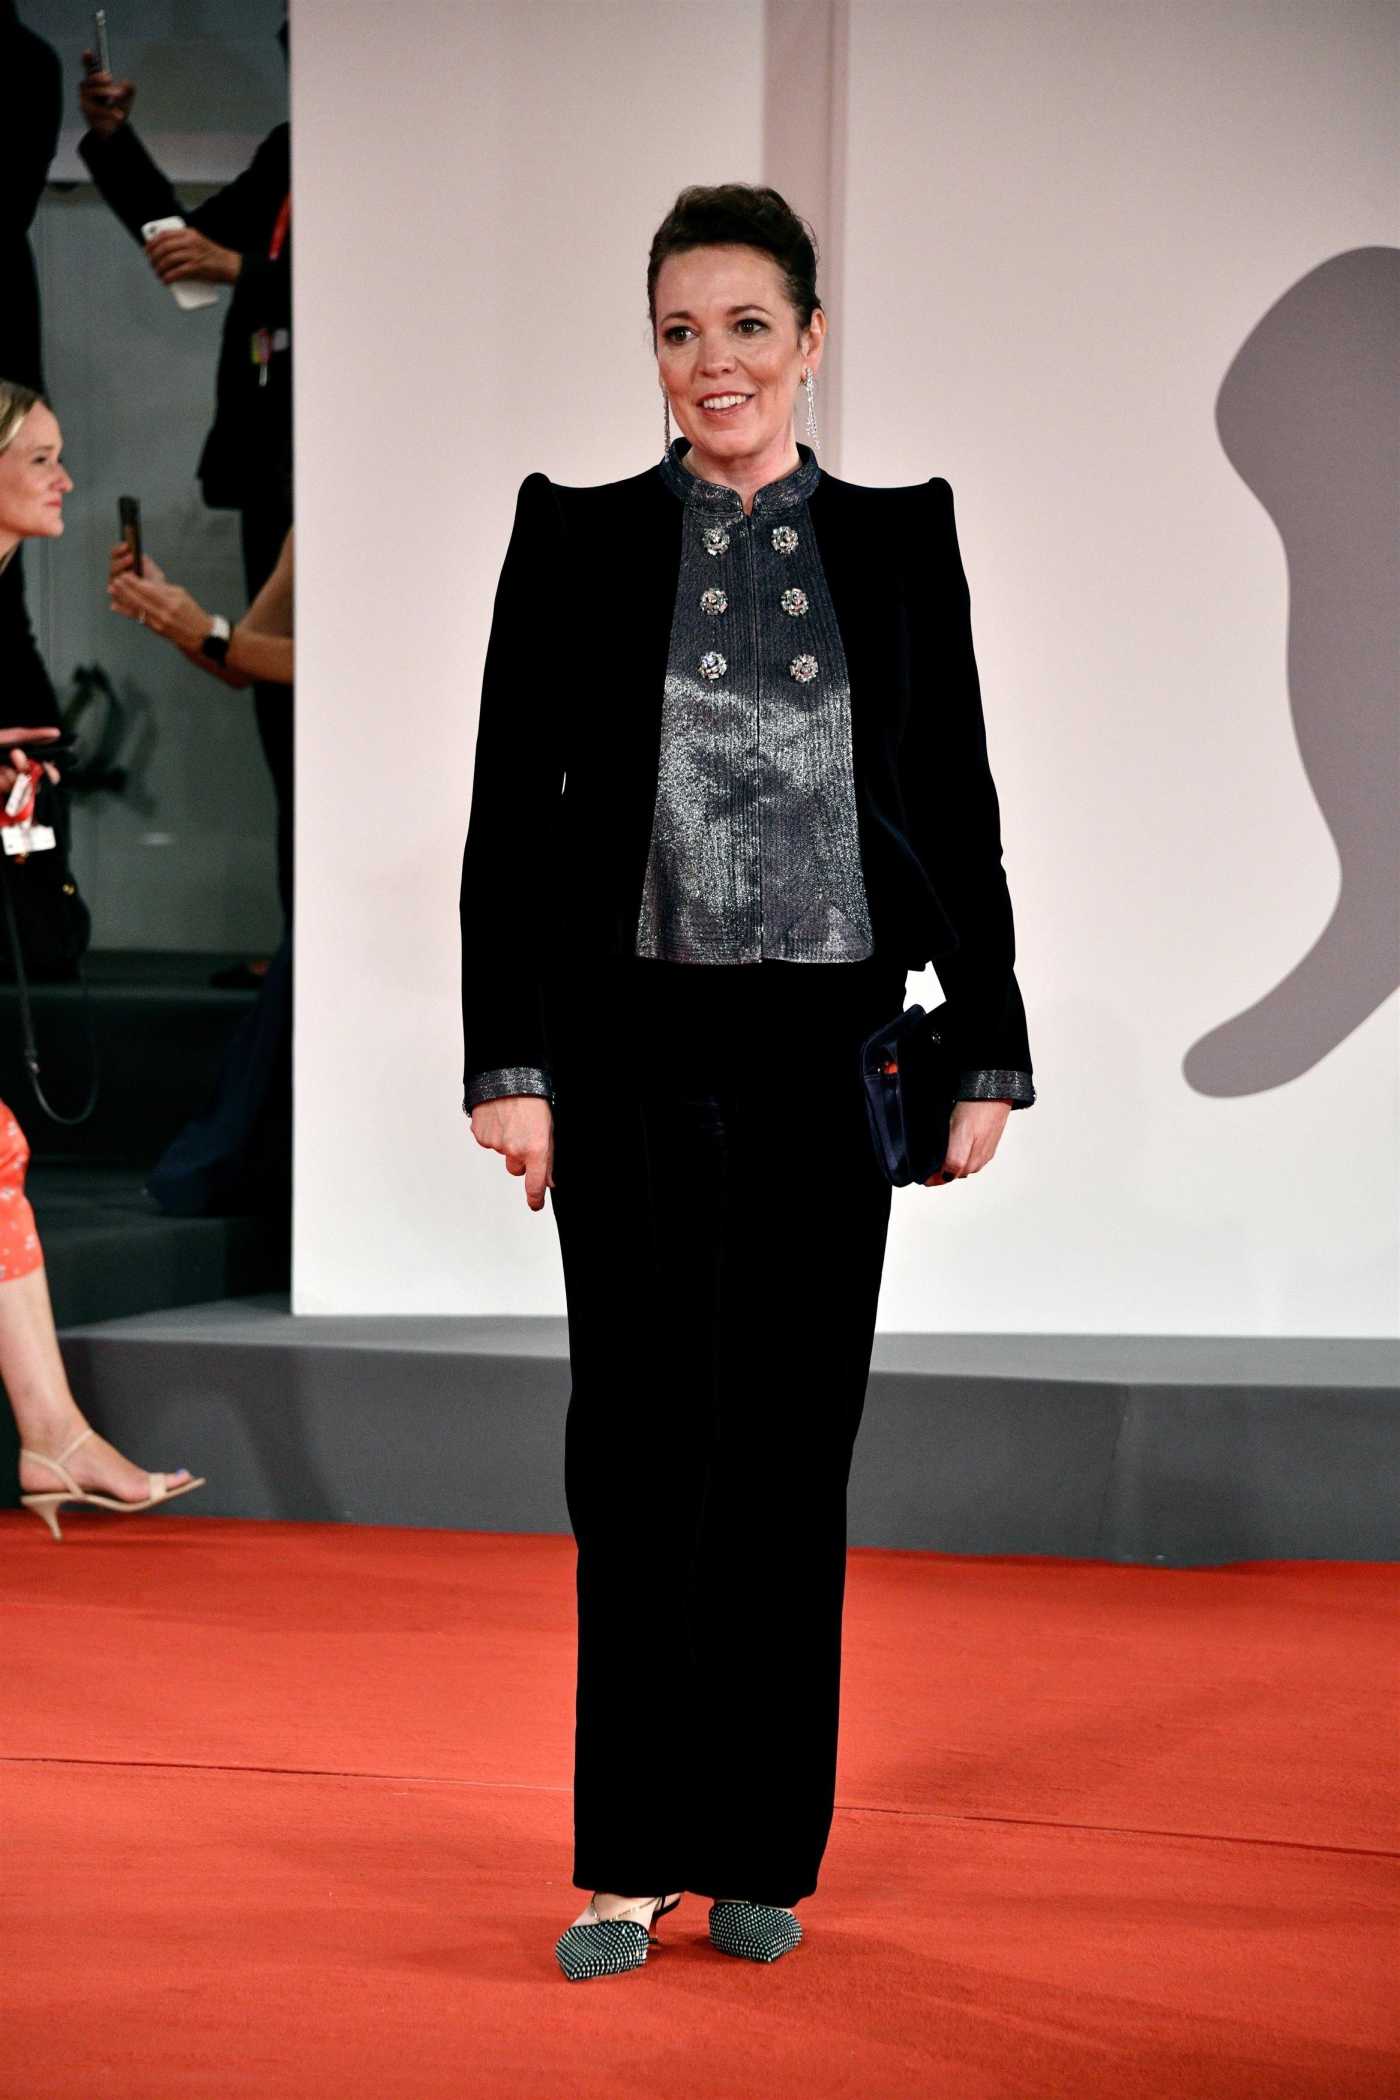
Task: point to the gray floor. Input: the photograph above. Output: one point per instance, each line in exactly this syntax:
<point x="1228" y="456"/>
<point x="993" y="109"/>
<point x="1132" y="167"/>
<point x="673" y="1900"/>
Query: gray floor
<point x="1179" y="1450"/>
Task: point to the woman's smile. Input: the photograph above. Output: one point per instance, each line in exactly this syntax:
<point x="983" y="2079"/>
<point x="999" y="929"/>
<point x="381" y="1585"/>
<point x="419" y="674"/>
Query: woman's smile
<point x="731" y="349"/>
<point x="33" y="480"/>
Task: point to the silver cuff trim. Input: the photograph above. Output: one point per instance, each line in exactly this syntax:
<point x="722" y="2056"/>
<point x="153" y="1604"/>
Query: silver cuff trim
<point x="1015" y="1087"/>
<point x="507" y="1079"/>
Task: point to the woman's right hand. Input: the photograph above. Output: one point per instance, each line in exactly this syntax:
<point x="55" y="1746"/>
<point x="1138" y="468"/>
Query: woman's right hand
<point x="120" y="563"/>
<point x="106" y="103"/>
<point x="521" y="1126"/>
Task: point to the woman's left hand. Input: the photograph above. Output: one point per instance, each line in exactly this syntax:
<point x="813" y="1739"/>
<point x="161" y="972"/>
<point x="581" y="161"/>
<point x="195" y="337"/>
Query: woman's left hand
<point x="973" y="1136"/>
<point x="164" y="607"/>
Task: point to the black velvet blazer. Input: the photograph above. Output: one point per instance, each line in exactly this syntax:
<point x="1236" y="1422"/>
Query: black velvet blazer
<point x="568" y="744"/>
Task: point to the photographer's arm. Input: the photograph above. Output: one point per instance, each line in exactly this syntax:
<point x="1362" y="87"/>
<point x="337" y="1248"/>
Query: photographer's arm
<point x="260" y="651"/>
<point x="253" y="659"/>
<point x="250" y="200"/>
<point x="223" y="240"/>
<point x="127" y="179"/>
<point x="138" y="191"/>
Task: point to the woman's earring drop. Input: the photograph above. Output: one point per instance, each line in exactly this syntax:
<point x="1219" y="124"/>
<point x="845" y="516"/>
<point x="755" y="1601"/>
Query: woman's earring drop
<point x="666" y="416"/>
<point x="809" y="382"/>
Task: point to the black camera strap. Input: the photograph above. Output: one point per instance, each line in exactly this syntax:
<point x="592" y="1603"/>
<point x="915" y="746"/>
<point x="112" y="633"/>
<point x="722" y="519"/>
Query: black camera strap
<point x="26" y="1009"/>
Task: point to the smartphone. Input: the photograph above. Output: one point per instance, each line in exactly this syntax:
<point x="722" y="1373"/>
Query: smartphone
<point x="188" y="297"/>
<point x="99" y="41"/>
<point x="129" y="513"/>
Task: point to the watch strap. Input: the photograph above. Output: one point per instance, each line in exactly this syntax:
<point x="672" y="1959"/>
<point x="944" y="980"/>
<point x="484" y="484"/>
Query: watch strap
<point x="215" y="643"/>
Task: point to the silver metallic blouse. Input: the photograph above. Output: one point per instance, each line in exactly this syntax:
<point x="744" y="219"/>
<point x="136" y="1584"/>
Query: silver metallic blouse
<point x="755" y="850"/>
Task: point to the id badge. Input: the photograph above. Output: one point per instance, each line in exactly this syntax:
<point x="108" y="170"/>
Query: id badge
<point x="22" y="836"/>
<point x="23" y="839"/>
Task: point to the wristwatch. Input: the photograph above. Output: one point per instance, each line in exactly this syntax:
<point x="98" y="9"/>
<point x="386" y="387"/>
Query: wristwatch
<point x="215" y="643"/>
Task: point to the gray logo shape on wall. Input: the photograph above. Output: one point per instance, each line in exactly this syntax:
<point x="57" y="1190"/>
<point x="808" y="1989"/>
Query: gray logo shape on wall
<point x="1309" y="415"/>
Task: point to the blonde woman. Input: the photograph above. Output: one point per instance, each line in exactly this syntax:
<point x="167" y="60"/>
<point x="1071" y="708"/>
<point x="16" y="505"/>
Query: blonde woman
<point x="62" y="1458"/>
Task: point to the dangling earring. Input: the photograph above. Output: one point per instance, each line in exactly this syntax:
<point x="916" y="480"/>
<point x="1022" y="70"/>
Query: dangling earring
<point x="809" y="382"/>
<point x="666" y="416"/>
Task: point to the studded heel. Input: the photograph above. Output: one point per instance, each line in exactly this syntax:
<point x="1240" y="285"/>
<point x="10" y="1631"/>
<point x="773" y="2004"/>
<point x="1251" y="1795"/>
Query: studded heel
<point x="594" y="1946"/>
<point x="756" y="1931"/>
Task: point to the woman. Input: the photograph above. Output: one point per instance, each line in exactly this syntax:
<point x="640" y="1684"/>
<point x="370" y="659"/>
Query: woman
<point x="33" y="86"/>
<point x="62" y="1459"/>
<point x="740" y="790"/>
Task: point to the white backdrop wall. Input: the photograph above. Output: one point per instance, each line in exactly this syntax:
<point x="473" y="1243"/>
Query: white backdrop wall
<point x="476" y="190"/>
<point x="1059" y="225"/>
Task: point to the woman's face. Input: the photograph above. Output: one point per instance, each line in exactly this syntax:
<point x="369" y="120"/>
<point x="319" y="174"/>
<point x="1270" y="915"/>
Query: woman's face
<point x="729" y="350"/>
<point x="33" y="480"/>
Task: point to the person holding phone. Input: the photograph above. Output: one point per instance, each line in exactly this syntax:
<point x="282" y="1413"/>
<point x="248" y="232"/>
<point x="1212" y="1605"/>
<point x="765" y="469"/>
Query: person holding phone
<point x="62" y="1458"/>
<point x="259" y="650"/>
<point x="239" y="239"/>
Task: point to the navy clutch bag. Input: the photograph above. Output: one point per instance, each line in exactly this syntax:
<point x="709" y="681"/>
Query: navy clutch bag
<point x="910" y="1073"/>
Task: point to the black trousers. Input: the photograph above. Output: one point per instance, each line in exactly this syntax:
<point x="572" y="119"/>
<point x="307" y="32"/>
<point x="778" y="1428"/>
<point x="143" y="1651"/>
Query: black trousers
<point x="722" y="1224"/>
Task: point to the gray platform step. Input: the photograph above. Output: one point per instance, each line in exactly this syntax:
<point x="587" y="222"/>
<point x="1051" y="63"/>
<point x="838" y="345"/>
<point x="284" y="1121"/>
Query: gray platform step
<point x="160" y="1030"/>
<point x="111" y="1253"/>
<point x="1164" y="1449"/>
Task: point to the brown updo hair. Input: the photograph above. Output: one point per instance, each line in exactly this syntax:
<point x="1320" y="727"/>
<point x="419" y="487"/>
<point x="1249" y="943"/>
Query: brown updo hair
<point x="740" y="215"/>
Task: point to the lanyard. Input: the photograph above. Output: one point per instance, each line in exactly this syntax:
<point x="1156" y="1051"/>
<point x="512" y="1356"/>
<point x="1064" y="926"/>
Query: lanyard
<point x="266" y="340"/>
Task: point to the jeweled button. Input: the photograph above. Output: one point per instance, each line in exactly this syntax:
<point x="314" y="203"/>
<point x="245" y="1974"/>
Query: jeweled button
<point x="716" y="540"/>
<point x="803" y="669"/>
<point x="713" y="665"/>
<point x="714" y="601"/>
<point x="784" y="539"/>
<point x="794" y="602"/>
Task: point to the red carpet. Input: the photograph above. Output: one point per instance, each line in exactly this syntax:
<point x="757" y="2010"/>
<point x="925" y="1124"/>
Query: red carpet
<point x="286" y="1813"/>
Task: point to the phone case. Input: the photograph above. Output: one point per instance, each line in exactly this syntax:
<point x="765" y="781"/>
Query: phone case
<point x="188" y="297"/>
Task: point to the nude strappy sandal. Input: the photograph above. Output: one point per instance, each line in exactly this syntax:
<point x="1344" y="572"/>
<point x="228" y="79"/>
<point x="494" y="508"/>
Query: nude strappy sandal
<point x="48" y="1504"/>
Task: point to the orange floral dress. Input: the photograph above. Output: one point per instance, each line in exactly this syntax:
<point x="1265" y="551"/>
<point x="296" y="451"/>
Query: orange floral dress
<point x="20" y="1252"/>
